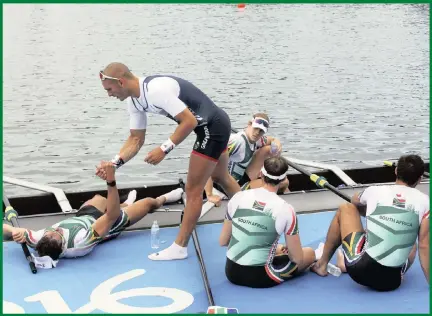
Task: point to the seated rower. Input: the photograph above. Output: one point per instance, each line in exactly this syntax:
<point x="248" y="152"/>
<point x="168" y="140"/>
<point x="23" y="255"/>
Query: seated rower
<point x="253" y="224"/>
<point x="396" y="215"/>
<point x="247" y="151"/>
<point x="258" y="183"/>
<point x="97" y="220"/>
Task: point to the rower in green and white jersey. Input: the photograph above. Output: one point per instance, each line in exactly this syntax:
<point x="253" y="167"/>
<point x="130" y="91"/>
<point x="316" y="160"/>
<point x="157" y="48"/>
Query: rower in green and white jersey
<point x="396" y="215"/>
<point x="247" y="151"/>
<point x="253" y="224"/>
<point x="99" y="219"/>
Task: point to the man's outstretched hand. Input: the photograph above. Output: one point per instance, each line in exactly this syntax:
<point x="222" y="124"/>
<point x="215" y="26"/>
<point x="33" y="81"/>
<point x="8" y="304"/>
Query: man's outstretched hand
<point x="106" y="171"/>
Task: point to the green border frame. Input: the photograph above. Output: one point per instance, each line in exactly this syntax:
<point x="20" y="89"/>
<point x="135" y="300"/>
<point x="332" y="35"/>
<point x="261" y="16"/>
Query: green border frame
<point x="207" y="2"/>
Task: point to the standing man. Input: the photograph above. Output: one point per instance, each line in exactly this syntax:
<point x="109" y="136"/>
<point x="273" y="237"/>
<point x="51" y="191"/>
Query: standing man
<point x="192" y="110"/>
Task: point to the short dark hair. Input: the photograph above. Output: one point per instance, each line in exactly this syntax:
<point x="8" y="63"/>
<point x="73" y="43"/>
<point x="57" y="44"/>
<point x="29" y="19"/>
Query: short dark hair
<point x="49" y="246"/>
<point x="409" y="169"/>
<point x="275" y="166"/>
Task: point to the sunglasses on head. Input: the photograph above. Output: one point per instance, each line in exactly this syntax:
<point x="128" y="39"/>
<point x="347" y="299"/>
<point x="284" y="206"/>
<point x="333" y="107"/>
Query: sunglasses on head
<point x="261" y="122"/>
<point x="103" y="77"/>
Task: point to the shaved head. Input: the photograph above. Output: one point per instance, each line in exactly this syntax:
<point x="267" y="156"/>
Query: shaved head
<point x="118" y="70"/>
<point x="119" y="81"/>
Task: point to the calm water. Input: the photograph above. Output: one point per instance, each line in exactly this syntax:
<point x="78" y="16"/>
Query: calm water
<point x="342" y="84"/>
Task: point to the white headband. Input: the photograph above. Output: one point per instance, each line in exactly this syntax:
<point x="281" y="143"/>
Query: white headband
<point x="281" y="177"/>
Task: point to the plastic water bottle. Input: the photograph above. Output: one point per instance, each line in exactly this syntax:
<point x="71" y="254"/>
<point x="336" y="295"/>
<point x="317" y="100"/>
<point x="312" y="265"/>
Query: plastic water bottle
<point x="155" y="235"/>
<point x="333" y="270"/>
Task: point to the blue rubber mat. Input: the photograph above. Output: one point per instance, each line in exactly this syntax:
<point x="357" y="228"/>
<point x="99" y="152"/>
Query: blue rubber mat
<point x="117" y="277"/>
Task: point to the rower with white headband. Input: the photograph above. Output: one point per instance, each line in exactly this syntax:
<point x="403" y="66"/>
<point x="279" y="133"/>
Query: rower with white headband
<point x="247" y="151"/>
<point x="254" y="222"/>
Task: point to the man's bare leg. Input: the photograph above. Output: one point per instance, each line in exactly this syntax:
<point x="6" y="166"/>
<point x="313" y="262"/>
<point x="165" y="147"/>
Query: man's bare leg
<point x="200" y="169"/>
<point x="142" y="207"/>
<point x="308" y="259"/>
<point x="100" y="202"/>
<point x="221" y="176"/>
<point x="97" y="201"/>
<point x="308" y="256"/>
<point x="346" y="221"/>
<point x="340" y="261"/>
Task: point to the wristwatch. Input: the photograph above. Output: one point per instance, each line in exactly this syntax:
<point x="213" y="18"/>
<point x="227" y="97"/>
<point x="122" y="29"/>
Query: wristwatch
<point x="112" y="183"/>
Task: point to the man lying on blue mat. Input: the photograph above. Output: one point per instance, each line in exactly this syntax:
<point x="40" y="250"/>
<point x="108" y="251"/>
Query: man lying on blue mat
<point x="97" y="220"/>
<point x="395" y="216"/>
<point x="254" y="222"/>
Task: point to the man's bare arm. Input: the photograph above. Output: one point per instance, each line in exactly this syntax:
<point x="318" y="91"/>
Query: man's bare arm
<point x="209" y="187"/>
<point x="424" y="247"/>
<point x="226" y="232"/>
<point x="187" y="124"/>
<point x="133" y="144"/>
<point x="7" y="231"/>
<point x="19" y="235"/>
<point x="360" y="207"/>
<point x="294" y="247"/>
<point x="130" y="148"/>
<point x="104" y="223"/>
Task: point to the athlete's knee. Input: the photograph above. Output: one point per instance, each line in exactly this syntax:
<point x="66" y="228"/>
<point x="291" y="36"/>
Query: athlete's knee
<point x="308" y="251"/>
<point x="193" y="192"/>
<point x="149" y="203"/>
<point x="308" y="258"/>
<point x="346" y="207"/>
<point x="95" y="200"/>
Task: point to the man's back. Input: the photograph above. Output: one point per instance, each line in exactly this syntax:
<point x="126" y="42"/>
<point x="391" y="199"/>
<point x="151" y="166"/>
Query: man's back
<point x="393" y="217"/>
<point x="259" y="217"/>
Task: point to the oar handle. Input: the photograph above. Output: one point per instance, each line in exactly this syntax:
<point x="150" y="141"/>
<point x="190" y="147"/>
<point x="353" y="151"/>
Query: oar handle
<point x="389" y="163"/>
<point x="319" y="181"/>
<point x="11" y="215"/>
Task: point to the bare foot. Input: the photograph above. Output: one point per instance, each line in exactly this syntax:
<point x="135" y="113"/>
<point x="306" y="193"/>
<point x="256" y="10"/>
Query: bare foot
<point x="319" y="268"/>
<point x="340" y="261"/>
